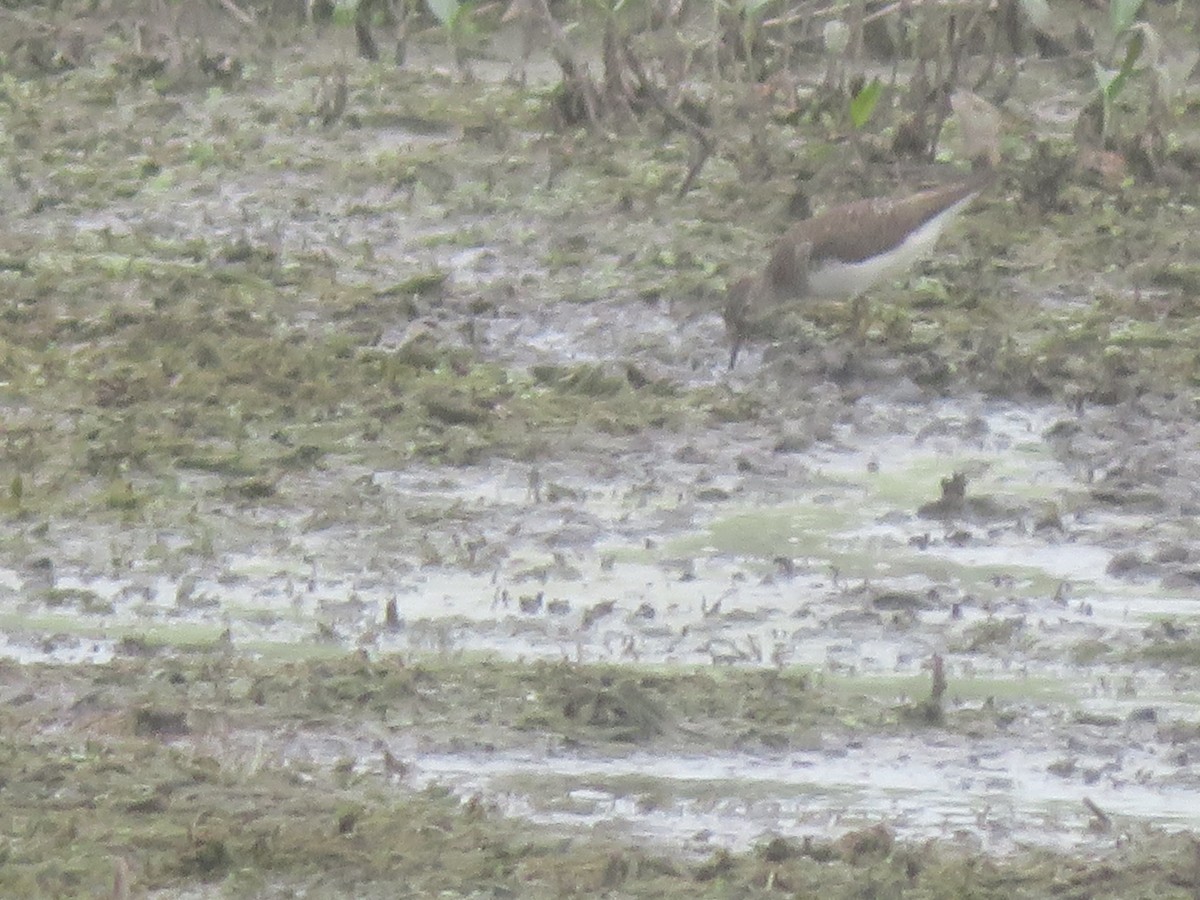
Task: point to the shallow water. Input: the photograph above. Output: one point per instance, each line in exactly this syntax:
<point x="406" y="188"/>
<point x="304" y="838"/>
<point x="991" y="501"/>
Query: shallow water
<point x="989" y="794"/>
<point x="791" y="538"/>
<point x="815" y="559"/>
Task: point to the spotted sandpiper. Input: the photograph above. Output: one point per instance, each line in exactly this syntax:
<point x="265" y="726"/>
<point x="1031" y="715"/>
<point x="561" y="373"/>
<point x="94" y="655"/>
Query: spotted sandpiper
<point x="846" y="250"/>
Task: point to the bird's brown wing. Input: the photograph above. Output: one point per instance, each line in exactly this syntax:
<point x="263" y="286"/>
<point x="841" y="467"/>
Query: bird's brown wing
<point x="867" y="228"/>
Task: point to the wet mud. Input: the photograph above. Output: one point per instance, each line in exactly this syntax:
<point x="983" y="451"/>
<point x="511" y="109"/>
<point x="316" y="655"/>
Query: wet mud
<point x="440" y="396"/>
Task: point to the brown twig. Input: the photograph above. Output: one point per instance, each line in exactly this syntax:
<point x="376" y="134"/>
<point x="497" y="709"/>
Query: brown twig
<point x="616" y="93"/>
<point x="237" y="12"/>
<point x="1101" y="820"/>
<point x="574" y="72"/>
<point x="704" y="140"/>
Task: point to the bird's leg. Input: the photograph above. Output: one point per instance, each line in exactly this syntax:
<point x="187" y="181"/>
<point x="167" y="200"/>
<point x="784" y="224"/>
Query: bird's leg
<point x="737" y="305"/>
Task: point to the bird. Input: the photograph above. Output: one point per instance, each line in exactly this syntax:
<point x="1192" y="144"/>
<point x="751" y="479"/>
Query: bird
<point x="846" y="250"/>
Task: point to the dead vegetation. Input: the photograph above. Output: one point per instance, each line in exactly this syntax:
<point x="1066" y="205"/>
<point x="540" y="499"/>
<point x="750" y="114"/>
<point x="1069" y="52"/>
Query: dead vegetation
<point x="207" y="308"/>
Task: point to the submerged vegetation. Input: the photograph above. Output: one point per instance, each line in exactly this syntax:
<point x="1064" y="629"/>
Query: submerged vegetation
<point x="257" y="253"/>
<point x="204" y="279"/>
<point x="185" y="768"/>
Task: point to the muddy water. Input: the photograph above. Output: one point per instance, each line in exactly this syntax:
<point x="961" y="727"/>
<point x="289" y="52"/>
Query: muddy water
<point x="987" y="795"/>
<point x="720" y="549"/>
<point x="793" y="538"/>
<point x="869" y="592"/>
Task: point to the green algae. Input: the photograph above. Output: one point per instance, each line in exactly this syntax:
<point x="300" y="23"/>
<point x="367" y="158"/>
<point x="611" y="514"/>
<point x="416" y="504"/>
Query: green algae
<point x="213" y="323"/>
<point x="149" y="363"/>
<point x="178" y="769"/>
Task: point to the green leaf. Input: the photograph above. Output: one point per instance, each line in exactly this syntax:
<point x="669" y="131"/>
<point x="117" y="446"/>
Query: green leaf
<point x="1132" y="53"/>
<point x="836" y="35"/>
<point x="1105" y="78"/>
<point x="1121" y="13"/>
<point x="863" y="103"/>
<point x="753" y="7"/>
<point x="443" y="10"/>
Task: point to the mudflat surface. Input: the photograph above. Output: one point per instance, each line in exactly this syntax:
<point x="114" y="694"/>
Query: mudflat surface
<point x="391" y="471"/>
